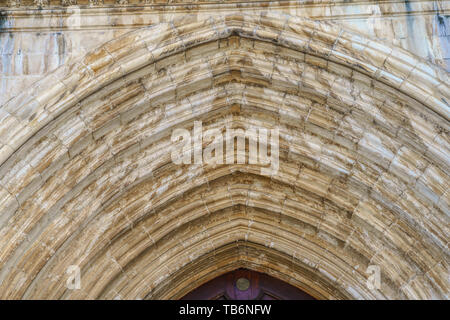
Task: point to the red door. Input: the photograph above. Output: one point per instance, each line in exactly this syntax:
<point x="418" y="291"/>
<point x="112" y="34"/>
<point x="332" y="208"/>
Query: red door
<point x="243" y="284"/>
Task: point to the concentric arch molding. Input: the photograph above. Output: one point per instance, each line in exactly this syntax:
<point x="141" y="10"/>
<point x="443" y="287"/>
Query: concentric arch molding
<point x="71" y="83"/>
<point x="87" y="180"/>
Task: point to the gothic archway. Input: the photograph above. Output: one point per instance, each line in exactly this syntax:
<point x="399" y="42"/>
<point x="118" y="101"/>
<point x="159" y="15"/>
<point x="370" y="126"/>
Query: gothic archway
<point x="87" y="178"/>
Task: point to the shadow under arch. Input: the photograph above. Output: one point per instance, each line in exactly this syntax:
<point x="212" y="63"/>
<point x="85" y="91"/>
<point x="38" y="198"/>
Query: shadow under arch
<point x="245" y="284"/>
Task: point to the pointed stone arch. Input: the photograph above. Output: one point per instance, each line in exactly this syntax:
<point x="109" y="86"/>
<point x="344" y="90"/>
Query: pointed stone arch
<point x="87" y="179"/>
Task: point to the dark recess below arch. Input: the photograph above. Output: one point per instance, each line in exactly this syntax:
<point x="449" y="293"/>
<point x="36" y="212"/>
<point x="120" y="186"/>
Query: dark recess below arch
<point x="262" y="287"/>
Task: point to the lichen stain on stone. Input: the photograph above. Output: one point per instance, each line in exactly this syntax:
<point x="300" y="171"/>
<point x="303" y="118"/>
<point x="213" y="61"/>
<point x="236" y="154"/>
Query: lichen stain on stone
<point x="7" y="53"/>
<point x="61" y="47"/>
<point x="3" y="19"/>
<point x="442" y="29"/>
<point x="443" y="25"/>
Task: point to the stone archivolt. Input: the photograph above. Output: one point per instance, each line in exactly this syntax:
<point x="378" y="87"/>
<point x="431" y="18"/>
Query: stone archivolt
<point x="87" y="178"/>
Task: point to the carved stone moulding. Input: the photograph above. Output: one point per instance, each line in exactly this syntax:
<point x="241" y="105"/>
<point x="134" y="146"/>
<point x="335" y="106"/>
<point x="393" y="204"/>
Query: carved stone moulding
<point x="13" y="3"/>
<point x="68" y="2"/>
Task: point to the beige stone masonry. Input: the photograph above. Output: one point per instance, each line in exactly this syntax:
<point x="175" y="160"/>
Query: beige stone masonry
<point x="87" y="177"/>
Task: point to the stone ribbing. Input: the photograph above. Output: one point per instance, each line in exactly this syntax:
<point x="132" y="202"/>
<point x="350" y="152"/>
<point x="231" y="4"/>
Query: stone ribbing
<point x="87" y="177"/>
